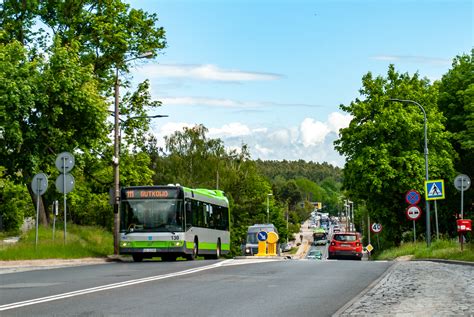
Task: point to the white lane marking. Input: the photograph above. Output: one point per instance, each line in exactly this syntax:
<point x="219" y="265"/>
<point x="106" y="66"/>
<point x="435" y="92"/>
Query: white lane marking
<point x="109" y="286"/>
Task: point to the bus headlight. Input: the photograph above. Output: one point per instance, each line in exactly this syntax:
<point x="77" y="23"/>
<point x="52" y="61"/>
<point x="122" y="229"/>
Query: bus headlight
<point x="178" y="243"/>
<point x="125" y="244"/>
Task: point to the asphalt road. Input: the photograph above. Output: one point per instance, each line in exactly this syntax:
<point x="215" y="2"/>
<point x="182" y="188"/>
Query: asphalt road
<point x="198" y="288"/>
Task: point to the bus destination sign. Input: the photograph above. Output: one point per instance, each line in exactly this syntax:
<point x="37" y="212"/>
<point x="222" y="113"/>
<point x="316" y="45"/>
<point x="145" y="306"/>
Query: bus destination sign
<point x="150" y="193"/>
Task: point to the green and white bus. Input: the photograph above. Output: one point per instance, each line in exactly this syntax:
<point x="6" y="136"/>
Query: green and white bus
<point x="171" y="221"/>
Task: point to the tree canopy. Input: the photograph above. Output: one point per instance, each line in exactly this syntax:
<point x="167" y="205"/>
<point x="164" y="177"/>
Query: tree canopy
<point x="384" y="145"/>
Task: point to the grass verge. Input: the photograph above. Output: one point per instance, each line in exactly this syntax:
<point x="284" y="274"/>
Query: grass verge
<point x="440" y="249"/>
<point x="81" y="242"/>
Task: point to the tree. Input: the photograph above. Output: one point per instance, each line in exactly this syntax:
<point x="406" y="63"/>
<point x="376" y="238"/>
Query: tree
<point x="456" y="101"/>
<point x="383" y="146"/>
<point x="55" y="79"/>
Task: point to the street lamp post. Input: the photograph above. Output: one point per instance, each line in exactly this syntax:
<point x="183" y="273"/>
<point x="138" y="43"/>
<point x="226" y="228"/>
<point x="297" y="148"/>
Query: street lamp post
<point x="428" y="224"/>
<point x="351" y="212"/>
<point x="116" y="158"/>
<point x="268" y="207"/>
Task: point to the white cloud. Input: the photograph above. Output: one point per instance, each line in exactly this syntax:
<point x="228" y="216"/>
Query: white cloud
<point x="337" y="121"/>
<point x="313" y="132"/>
<point x="167" y="129"/>
<point x="311" y="140"/>
<point x="262" y="150"/>
<point x="280" y="136"/>
<point x="414" y="59"/>
<point x="233" y="129"/>
<point x="208" y="102"/>
<point x="205" y="72"/>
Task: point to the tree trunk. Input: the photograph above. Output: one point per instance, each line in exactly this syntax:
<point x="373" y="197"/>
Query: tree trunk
<point x="43" y="216"/>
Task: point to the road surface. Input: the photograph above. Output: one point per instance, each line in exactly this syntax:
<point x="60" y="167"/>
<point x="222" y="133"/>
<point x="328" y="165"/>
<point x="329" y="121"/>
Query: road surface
<point x="189" y="288"/>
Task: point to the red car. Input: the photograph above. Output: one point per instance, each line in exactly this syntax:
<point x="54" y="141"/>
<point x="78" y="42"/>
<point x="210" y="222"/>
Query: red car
<point x="345" y="244"/>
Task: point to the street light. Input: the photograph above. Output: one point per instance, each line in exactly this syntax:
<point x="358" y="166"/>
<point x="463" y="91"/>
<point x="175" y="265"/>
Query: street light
<point x="351" y="212"/>
<point x="116" y="157"/>
<point x="268" y="207"/>
<point x="428" y="224"/>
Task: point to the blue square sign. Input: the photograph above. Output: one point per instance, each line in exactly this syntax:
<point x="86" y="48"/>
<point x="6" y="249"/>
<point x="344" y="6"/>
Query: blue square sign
<point x="434" y="189"/>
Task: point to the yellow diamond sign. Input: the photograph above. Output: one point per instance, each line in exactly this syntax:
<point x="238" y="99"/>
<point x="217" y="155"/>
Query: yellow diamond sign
<point x="369" y="248"/>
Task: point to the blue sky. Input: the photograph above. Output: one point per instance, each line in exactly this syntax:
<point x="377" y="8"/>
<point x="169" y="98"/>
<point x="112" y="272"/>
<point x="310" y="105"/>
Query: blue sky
<point x="272" y="74"/>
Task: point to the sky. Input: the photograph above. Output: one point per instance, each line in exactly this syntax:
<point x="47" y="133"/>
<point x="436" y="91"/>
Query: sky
<point x="272" y="74"/>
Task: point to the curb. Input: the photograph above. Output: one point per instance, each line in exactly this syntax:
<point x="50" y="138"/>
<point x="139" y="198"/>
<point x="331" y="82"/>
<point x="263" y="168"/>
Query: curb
<point x="364" y="291"/>
<point x="447" y="261"/>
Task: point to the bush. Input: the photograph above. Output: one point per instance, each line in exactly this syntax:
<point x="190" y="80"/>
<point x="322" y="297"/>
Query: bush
<point x="15" y="205"/>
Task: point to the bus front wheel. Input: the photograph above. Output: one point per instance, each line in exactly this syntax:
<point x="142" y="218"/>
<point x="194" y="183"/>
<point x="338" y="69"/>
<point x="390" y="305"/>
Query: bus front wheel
<point x="193" y="255"/>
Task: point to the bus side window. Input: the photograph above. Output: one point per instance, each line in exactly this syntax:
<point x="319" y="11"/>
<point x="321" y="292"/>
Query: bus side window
<point x="189" y="214"/>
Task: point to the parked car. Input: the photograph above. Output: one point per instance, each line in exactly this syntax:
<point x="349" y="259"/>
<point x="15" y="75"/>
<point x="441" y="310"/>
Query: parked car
<point x="286" y="247"/>
<point x="315" y="255"/>
<point x="345" y="244"/>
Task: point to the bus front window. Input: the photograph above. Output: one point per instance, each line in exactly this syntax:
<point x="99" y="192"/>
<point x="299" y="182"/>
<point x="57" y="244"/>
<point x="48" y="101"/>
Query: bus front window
<point x="151" y="215"/>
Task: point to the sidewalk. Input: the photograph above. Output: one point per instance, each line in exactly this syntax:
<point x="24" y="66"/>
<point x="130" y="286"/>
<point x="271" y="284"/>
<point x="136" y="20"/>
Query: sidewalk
<point x="417" y="288"/>
<point x="305" y="244"/>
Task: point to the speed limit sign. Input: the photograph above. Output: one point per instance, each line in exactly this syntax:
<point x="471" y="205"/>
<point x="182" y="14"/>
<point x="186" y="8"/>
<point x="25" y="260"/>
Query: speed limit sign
<point x="376" y="227"/>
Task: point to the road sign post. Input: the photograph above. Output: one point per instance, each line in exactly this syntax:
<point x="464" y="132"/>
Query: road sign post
<point x="413" y="212"/>
<point x="434" y="190"/>
<point x="39" y="184"/>
<point x="376" y="228"/>
<point x="462" y="183"/>
<point x="64" y="163"/>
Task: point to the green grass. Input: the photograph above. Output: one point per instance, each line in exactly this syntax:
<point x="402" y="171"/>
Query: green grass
<point x="440" y="249"/>
<point x="81" y="242"/>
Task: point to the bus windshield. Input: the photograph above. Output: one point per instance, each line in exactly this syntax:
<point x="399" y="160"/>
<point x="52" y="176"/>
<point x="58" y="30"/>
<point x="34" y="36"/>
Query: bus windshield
<point x="152" y="215"/>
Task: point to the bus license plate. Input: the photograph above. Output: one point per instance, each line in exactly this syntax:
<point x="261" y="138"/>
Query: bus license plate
<point x="149" y="250"/>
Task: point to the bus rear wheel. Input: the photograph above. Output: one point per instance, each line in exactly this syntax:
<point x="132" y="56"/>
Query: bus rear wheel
<point x="218" y="250"/>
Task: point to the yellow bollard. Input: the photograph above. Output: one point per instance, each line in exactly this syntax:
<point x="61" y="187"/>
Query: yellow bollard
<point x="272" y="243"/>
<point x="262" y="248"/>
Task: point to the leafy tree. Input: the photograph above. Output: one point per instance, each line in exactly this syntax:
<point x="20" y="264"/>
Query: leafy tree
<point x="56" y="78"/>
<point x="456" y="101"/>
<point x="384" y="146"/>
<point x="49" y="108"/>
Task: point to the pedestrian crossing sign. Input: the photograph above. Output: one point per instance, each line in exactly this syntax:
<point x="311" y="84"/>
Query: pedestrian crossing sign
<point x="434" y="189"/>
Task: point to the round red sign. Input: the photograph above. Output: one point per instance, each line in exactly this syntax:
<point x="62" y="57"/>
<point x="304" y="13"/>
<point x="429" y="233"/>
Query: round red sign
<point x="412" y="197"/>
<point x="413" y="212"/>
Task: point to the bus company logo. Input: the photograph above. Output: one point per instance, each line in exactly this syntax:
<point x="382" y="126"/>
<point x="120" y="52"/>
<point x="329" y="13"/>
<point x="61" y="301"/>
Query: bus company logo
<point x="154" y="194"/>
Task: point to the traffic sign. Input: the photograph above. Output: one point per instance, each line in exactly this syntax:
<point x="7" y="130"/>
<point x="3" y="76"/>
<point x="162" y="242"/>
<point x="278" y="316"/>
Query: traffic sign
<point x="262" y="236"/>
<point x="413" y="212"/>
<point x="64" y="162"/>
<point x="412" y="197"/>
<point x="434" y="189"/>
<point x="462" y="182"/>
<point x="39" y="184"/>
<point x="65" y="187"/>
<point x="369" y="247"/>
<point x="376" y="227"/>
